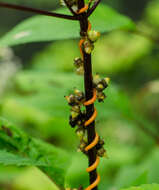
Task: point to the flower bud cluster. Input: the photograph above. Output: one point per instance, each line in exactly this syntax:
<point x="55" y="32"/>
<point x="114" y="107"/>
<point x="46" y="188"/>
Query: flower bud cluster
<point x="91" y="37"/>
<point x="78" y="63"/>
<point x="100" y="84"/>
<point x="101" y="152"/>
<point x="88" y="45"/>
<point x="76" y="100"/>
<point x="77" y="116"/>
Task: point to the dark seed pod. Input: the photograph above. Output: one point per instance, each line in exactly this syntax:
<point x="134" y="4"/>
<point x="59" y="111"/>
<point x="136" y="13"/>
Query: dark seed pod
<point x="77" y="119"/>
<point x="78" y="62"/>
<point x="101" y="152"/>
<point x="101" y="96"/>
<point x="101" y="85"/>
<point x="80" y="133"/>
<point x="72" y="122"/>
<point x="88" y="46"/>
<point x="80" y="97"/>
<point x="76" y="108"/>
<point x="106" y="80"/>
<point x="82" y="146"/>
<point x="100" y="144"/>
<point x="80" y="70"/>
<point x="71" y="99"/>
<point x="81" y="119"/>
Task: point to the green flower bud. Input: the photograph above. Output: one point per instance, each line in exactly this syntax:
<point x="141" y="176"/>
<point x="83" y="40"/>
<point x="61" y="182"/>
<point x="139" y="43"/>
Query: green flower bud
<point x="80" y="133"/>
<point x="74" y="114"/>
<point x="93" y="35"/>
<point x="101" y="152"/>
<point x="78" y="62"/>
<point x="96" y="79"/>
<point x="76" y="108"/>
<point x="100" y="96"/>
<point x="88" y="46"/>
<point x="107" y="80"/>
<point x="80" y="70"/>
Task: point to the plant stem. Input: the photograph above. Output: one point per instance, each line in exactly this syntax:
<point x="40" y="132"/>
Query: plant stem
<point x="88" y="83"/>
<point x="93" y="7"/>
<point x="69" y="7"/>
<point x="41" y="12"/>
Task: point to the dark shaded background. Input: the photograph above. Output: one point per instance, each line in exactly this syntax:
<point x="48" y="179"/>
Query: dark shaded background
<point x="133" y="9"/>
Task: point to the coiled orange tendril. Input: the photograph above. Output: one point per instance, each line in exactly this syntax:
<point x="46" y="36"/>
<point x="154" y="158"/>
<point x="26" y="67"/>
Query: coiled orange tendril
<point x="85" y="8"/>
<point x="82" y="40"/>
<point x="92" y="118"/>
<point x="94" y="142"/>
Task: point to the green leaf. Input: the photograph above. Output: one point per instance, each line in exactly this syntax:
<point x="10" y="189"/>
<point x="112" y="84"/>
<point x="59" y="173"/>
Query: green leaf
<point x="142" y="179"/>
<point x="43" y="28"/>
<point x="135" y="172"/>
<point x="19" y="149"/>
<point x="144" y="187"/>
<point x="27" y="180"/>
<point x="76" y="174"/>
<point x="8" y="158"/>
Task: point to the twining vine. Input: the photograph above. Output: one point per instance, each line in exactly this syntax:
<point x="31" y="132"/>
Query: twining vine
<point x="92" y="145"/>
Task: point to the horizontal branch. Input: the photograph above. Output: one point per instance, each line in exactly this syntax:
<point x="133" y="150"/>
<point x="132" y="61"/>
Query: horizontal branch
<point x="41" y="12"/>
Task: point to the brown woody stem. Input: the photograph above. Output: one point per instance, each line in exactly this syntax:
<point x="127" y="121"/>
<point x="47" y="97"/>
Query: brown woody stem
<point x="88" y="83"/>
<point x="37" y="11"/>
<point x="93" y="7"/>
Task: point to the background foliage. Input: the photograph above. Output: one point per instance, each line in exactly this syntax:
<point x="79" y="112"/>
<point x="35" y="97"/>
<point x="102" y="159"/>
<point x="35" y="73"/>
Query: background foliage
<point x="34" y="82"/>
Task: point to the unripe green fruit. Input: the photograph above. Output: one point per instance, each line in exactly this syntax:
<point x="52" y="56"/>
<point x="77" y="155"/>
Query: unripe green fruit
<point x="74" y="114"/>
<point x="101" y="152"/>
<point x="101" y="96"/>
<point x="78" y="62"/>
<point x="88" y="46"/>
<point x="80" y="70"/>
<point x="93" y="35"/>
<point x="96" y="79"/>
<point x="80" y="133"/>
<point x="107" y="80"/>
<point x="76" y="108"/>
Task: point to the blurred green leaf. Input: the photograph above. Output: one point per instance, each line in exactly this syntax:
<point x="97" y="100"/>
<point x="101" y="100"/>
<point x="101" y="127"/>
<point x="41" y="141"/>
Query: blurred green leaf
<point x="43" y="28"/>
<point x="19" y="149"/>
<point x="144" y="187"/>
<point x="148" y="166"/>
<point x="27" y="179"/>
<point x="142" y="179"/>
<point x="7" y="158"/>
<point x="76" y="174"/>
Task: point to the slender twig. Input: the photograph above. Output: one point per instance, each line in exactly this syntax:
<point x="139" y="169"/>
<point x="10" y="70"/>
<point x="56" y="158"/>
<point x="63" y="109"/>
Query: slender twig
<point x="41" y="12"/>
<point x="93" y="7"/>
<point x="69" y="7"/>
<point x="88" y="83"/>
<point x="89" y="4"/>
